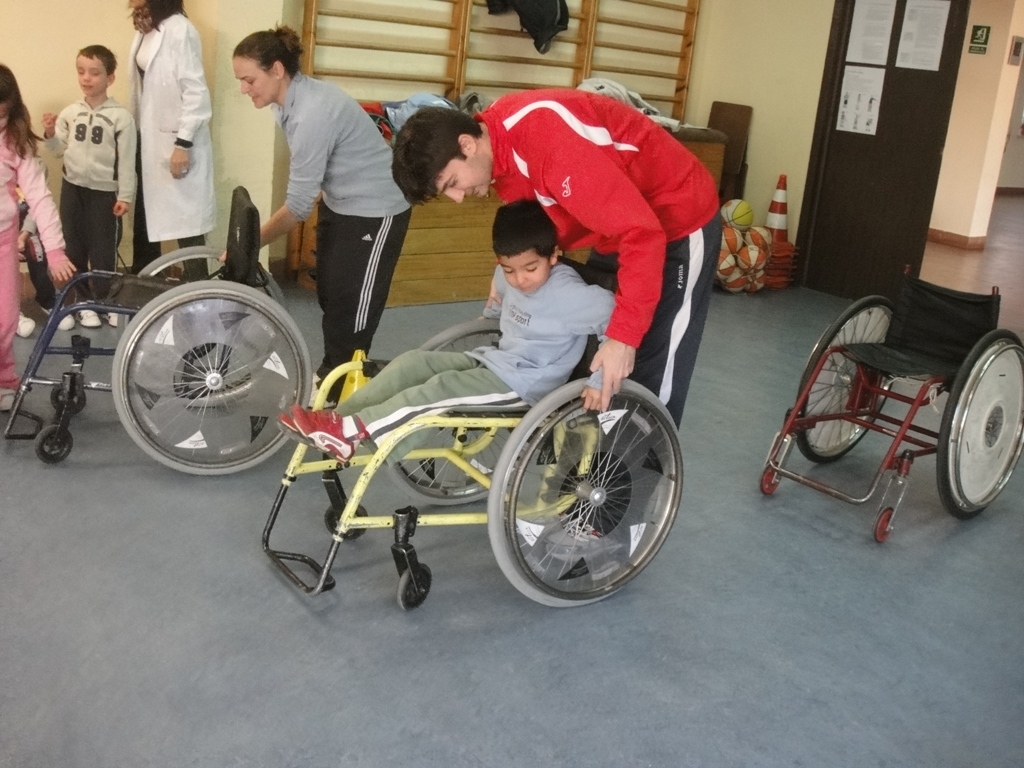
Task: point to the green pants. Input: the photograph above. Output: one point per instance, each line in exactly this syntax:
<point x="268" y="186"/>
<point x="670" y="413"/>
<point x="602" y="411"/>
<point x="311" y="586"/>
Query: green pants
<point x="421" y="382"/>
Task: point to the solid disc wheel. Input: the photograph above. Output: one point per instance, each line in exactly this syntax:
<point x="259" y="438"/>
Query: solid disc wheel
<point x="769" y="481"/>
<point x="864" y="322"/>
<point x="54" y="444"/>
<point x="409" y="594"/>
<point x="201" y="262"/>
<point x="58" y="397"/>
<point x="331" y="518"/>
<point x="883" y="525"/>
<point x="201" y="373"/>
<point x="982" y="427"/>
<point x="582" y="502"/>
<point x="437" y="480"/>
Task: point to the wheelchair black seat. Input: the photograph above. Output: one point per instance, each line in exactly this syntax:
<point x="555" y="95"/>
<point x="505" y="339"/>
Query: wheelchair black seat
<point x="932" y="331"/>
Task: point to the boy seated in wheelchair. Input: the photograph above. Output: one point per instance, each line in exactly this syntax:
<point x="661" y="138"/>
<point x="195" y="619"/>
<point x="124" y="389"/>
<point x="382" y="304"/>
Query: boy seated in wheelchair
<point x="546" y="313"/>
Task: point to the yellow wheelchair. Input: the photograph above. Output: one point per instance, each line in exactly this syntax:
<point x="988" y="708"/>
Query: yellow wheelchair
<point x="577" y="502"/>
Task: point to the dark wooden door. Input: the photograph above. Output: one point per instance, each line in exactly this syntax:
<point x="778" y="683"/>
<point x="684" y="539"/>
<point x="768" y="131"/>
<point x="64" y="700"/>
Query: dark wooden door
<point x="868" y="199"/>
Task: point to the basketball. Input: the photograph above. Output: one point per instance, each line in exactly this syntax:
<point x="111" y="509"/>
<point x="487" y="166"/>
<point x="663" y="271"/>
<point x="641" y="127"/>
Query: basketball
<point x="751" y="260"/>
<point x="738" y="213"/>
<point x="755" y="283"/>
<point x="732" y="239"/>
<point x="729" y="275"/>
<point x="759" y="236"/>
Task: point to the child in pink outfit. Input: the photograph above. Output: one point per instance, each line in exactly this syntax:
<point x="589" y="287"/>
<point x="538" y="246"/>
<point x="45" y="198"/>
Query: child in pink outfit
<point x="19" y="169"/>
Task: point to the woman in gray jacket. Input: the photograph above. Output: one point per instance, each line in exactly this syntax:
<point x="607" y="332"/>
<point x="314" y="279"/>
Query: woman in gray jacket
<point x="171" y="105"/>
<point x="335" y="150"/>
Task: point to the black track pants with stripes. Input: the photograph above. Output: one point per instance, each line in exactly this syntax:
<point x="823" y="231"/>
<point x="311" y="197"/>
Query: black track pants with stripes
<point x="355" y="261"/>
<point x="668" y="352"/>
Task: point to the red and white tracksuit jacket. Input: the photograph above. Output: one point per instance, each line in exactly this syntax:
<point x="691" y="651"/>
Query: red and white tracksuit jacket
<point x="610" y="178"/>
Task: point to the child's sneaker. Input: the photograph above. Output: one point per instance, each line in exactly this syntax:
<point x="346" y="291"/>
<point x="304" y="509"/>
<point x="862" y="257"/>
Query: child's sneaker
<point x="6" y="400"/>
<point x="89" y="319"/>
<point x="26" y="325"/>
<point x="66" y="323"/>
<point x="286" y="423"/>
<point x="330" y="431"/>
<point x="112" y="318"/>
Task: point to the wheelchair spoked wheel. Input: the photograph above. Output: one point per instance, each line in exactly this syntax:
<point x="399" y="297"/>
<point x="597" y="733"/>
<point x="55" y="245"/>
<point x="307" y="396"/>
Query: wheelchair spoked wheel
<point x="865" y="321"/>
<point x="438" y="481"/>
<point x="201" y="373"/>
<point x="581" y="503"/>
<point x="435" y="480"/>
<point x="201" y="262"/>
<point x="982" y="428"/>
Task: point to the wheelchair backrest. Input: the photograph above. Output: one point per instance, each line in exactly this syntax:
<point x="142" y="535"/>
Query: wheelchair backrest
<point x="592" y="274"/>
<point x="940" y="322"/>
<point x="243" y="248"/>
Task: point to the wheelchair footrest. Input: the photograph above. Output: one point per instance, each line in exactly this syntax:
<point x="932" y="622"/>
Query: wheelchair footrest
<point x="324" y="583"/>
<point x="10" y="433"/>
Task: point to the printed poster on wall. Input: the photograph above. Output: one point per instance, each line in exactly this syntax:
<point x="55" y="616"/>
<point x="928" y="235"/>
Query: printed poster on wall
<point x="871" y="31"/>
<point x="924" y="29"/>
<point x="860" y="99"/>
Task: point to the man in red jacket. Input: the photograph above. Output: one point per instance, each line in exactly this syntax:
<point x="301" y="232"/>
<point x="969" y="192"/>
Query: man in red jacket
<point x="610" y="178"/>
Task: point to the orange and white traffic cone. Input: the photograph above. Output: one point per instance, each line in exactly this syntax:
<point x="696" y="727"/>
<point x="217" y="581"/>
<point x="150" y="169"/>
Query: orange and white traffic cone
<point x="776" y="221"/>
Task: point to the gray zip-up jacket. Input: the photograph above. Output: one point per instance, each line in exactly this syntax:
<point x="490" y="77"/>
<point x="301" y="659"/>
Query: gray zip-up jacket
<point x="543" y="334"/>
<point x="98" y="147"/>
<point x="336" y="148"/>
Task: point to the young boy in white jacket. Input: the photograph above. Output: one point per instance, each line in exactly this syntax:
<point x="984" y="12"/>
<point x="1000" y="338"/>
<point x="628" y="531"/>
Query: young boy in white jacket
<point x="97" y="139"/>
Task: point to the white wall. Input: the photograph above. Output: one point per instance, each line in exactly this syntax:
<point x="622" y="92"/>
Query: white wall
<point x="247" y="149"/>
<point x="977" y="129"/>
<point x="769" y="54"/>
<point x="1011" y="172"/>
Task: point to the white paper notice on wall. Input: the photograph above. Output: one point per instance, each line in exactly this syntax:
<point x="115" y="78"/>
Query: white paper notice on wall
<point x="860" y="99"/>
<point x="924" y="29"/>
<point x="870" y="31"/>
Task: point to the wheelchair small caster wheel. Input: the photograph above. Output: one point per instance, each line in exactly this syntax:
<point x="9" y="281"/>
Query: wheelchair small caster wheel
<point x="883" y="525"/>
<point x="331" y="517"/>
<point x="412" y="594"/>
<point x="769" y="481"/>
<point x="59" y="397"/>
<point x="54" y="444"/>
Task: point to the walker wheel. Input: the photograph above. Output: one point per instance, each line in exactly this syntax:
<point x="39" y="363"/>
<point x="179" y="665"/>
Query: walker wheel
<point x="769" y="481"/>
<point x="332" y="516"/>
<point x="409" y="596"/>
<point x="883" y="525"/>
<point x="54" y="444"/>
<point x="58" y="398"/>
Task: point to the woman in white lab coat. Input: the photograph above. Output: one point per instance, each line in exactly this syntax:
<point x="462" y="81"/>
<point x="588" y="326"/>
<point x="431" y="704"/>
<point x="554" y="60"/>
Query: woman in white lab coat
<point x="171" y="105"/>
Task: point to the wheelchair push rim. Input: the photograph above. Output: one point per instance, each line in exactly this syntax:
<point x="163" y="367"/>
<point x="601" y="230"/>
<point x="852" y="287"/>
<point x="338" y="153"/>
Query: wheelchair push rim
<point x="202" y="372"/>
<point x="865" y="321"/>
<point x="582" y="503"/>
<point x="202" y="262"/>
<point x="982" y="428"/>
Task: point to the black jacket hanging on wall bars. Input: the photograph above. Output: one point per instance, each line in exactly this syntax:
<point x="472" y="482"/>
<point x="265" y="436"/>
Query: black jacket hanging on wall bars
<point x="542" y="19"/>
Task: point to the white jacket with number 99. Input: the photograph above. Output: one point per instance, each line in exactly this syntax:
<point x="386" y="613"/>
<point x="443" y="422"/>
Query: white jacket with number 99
<point x="172" y="102"/>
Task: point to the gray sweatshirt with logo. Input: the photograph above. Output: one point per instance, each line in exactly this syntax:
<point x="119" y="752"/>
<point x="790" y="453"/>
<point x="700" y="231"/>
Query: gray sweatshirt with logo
<point x="543" y="334"/>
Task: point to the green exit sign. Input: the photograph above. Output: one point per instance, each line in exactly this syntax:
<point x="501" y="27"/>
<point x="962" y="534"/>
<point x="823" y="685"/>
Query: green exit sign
<point x="979" y="38"/>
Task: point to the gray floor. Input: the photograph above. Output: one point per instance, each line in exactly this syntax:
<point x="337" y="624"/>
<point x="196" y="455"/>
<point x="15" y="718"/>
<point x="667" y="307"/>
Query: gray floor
<point x="141" y="625"/>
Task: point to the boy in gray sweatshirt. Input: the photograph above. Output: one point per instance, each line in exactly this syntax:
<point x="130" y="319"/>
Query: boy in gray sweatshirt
<point x="546" y="314"/>
<point x="96" y="137"/>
